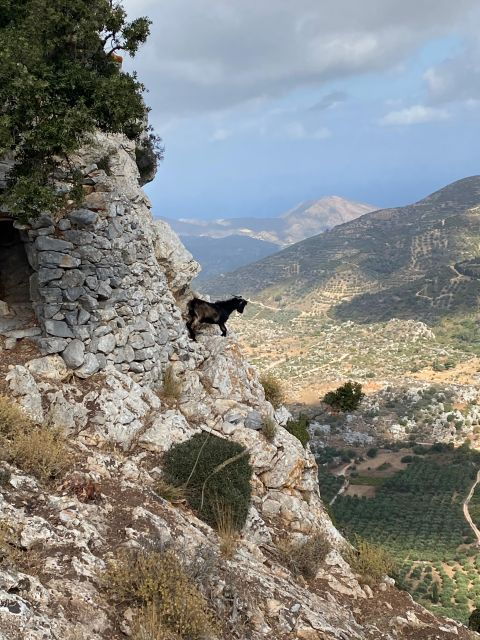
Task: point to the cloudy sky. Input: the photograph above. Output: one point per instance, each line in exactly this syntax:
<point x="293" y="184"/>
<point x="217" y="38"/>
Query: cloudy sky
<point x="264" y="103"/>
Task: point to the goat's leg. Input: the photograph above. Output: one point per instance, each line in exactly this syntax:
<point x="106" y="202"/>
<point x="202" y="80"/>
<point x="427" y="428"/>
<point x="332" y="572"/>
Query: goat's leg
<point x="223" y="328"/>
<point x="190" y="326"/>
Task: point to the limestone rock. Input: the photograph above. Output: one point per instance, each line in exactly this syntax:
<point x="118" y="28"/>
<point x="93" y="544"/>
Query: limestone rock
<point x="167" y="429"/>
<point x="49" y="368"/>
<point x="74" y="354"/>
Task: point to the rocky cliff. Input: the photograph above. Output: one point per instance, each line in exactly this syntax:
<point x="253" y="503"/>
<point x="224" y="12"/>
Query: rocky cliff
<point x="107" y="286"/>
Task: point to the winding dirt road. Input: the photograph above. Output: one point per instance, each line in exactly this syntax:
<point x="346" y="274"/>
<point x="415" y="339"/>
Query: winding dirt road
<point x="466" y="512"/>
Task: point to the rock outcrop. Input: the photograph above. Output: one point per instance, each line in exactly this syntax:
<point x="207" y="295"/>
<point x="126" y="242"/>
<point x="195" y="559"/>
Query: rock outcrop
<point x="107" y="288"/>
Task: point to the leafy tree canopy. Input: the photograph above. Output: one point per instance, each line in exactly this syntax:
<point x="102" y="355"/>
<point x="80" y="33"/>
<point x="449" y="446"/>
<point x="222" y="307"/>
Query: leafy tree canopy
<point x="345" y="398"/>
<point x="59" y="81"/>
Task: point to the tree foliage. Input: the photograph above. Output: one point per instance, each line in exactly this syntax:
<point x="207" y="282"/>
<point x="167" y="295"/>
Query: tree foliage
<point x="345" y="398"/>
<point x="59" y="81"/>
<point x="299" y="429"/>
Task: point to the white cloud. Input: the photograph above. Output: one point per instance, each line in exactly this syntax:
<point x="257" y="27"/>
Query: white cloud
<point x="221" y="134"/>
<point x="295" y="131"/>
<point x="205" y="56"/>
<point x="416" y="114"/>
<point x="322" y="134"/>
<point x="298" y="131"/>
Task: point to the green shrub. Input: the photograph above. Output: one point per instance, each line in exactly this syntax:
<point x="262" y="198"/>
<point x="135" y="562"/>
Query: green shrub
<point x="345" y="398"/>
<point x="372" y="452"/>
<point x="299" y="429"/>
<point x="148" y="153"/>
<point x="273" y="389"/>
<point x="406" y="459"/>
<point x="384" y="466"/>
<point x="212" y="471"/>
<point x="420" y="449"/>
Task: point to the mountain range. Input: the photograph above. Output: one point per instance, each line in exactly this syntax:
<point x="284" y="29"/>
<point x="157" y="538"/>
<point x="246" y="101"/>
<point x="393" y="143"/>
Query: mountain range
<point x="420" y="260"/>
<point x="225" y="244"/>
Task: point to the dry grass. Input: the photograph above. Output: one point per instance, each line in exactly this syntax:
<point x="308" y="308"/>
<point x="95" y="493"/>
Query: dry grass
<point x="12" y="418"/>
<point x="158" y="582"/>
<point x="226" y="529"/>
<point x="269" y="429"/>
<point x="12" y="554"/>
<point x="168" y="491"/>
<point x="41" y="451"/>
<point x="370" y="561"/>
<point x="304" y="558"/>
<point x="274" y="391"/>
<point x="171" y="386"/>
<point x="148" y="625"/>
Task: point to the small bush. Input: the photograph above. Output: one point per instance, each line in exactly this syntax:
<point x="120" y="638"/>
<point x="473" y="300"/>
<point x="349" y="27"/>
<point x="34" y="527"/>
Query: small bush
<point x="304" y="558"/>
<point x="273" y="389"/>
<point x="41" y="451"/>
<point x="171" y="386"/>
<point x="149" y="152"/>
<point x="420" y="449"/>
<point x="407" y="459"/>
<point x="372" y="452"/>
<point x="384" y="466"/>
<point x="299" y="429"/>
<point x="269" y="429"/>
<point x="212" y="471"/>
<point x="345" y="398"/>
<point x="168" y="491"/>
<point x="370" y="561"/>
<point x="158" y="582"/>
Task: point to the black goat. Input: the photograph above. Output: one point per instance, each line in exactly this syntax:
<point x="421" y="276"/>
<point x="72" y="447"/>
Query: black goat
<point x="212" y="313"/>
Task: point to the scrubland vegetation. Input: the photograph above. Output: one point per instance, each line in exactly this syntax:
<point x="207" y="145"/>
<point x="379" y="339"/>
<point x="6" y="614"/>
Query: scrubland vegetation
<point x="41" y="451"/>
<point x="165" y="598"/>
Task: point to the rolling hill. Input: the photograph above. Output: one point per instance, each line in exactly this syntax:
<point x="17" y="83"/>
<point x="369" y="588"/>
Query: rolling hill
<point x="222" y="245"/>
<point x="221" y="255"/>
<point x="420" y="260"/>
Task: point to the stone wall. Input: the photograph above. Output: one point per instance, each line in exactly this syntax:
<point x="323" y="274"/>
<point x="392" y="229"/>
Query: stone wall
<point x="100" y="286"/>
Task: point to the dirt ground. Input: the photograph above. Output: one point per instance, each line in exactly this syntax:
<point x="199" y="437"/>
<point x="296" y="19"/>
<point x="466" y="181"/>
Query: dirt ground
<point x="314" y="393"/>
<point x="464" y="373"/>
<point x="392" y="457"/>
<point x="369" y="467"/>
<point x="360" y="490"/>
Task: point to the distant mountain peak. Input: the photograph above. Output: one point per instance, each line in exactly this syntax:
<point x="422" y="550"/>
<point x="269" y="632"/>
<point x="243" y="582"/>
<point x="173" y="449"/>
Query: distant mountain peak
<point x="399" y="262"/>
